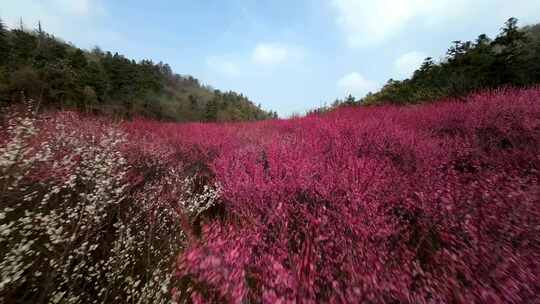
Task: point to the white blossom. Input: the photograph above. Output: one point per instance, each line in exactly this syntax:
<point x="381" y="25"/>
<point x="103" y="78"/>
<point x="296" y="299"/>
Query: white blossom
<point x="52" y="231"/>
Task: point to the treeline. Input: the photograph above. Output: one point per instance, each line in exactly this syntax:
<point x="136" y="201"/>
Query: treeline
<point x="35" y="64"/>
<point x="512" y="58"/>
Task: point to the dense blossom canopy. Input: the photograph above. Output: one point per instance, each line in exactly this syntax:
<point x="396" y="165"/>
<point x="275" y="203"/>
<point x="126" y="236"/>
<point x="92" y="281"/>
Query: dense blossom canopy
<point x="432" y="203"/>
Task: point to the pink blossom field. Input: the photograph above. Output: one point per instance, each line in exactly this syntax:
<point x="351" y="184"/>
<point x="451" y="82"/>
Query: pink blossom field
<point x="433" y="203"/>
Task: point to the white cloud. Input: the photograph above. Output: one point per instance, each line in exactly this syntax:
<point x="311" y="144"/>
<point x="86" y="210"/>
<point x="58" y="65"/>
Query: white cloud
<point x="78" y="7"/>
<point x="223" y="66"/>
<point x="79" y="21"/>
<point x="356" y="84"/>
<point x="405" y="64"/>
<point x="270" y="53"/>
<point x="265" y="55"/>
<point x="54" y="10"/>
<point x="370" y="22"/>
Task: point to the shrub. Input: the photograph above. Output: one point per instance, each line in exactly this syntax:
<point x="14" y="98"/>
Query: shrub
<point x="72" y="229"/>
<point x="428" y="203"/>
<point x="433" y="203"/>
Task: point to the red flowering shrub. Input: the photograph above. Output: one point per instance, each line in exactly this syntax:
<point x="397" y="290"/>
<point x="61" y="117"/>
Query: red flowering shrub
<point x="429" y="203"/>
<point x="435" y="203"/>
<point x="74" y="226"/>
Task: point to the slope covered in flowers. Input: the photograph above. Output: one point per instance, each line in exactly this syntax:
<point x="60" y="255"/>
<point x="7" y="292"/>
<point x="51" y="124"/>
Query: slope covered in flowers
<point x="433" y="203"/>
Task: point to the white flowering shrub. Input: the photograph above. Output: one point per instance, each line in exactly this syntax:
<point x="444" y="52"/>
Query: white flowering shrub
<point x="72" y="228"/>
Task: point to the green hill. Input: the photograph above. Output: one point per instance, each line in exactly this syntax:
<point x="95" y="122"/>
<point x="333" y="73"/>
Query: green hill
<point x="37" y="65"/>
<point x="511" y="59"/>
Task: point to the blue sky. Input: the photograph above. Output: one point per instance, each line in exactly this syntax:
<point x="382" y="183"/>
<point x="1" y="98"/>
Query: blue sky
<point x="287" y="55"/>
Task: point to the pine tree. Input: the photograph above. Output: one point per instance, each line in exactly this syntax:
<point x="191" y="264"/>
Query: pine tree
<point x="510" y="33"/>
<point x="350" y="100"/>
<point x="4" y="44"/>
<point x="211" y="110"/>
<point x="3" y="30"/>
<point x="77" y="59"/>
<point x="509" y="61"/>
<point x="23" y="47"/>
<point x="48" y="69"/>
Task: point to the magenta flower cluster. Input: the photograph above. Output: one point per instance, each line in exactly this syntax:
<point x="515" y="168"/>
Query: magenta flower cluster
<point x="429" y="203"/>
<point x="434" y="203"/>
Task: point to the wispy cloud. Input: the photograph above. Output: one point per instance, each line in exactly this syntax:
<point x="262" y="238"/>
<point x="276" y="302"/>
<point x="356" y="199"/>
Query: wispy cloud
<point x="260" y="59"/>
<point x="369" y="23"/>
<point x="223" y="66"/>
<point x="405" y="64"/>
<point x="79" y="21"/>
<point x="356" y="84"/>
<point x="78" y="7"/>
<point x="270" y="53"/>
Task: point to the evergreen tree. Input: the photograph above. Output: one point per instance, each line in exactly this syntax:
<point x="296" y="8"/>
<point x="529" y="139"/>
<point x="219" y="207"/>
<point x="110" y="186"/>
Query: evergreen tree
<point x="77" y="60"/>
<point x="96" y="78"/>
<point x="511" y="59"/>
<point x="211" y="113"/>
<point x="57" y="73"/>
<point x="4" y="44"/>
<point x="350" y="100"/>
<point x="23" y="46"/>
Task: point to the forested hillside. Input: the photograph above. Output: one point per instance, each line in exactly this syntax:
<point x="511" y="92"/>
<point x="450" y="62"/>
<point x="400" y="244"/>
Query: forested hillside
<point x="35" y="64"/>
<point x="512" y="58"/>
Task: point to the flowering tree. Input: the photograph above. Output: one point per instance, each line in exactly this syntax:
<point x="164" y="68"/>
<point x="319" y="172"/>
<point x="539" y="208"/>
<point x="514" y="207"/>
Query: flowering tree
<point x="432" y="203"/>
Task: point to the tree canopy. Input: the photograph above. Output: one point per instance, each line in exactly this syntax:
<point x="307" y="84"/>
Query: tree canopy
<point x="512" y="58"/>
<point x="37" y="65"/>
